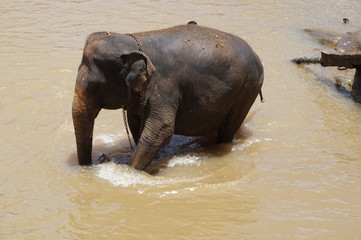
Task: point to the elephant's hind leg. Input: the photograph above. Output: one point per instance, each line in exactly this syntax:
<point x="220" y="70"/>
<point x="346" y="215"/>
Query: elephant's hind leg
<point x="236" y="116"/>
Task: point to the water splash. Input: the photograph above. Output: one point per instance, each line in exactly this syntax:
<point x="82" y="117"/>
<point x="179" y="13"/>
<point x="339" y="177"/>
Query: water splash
<point x="125" y="176"/>
<point x="171" y="161"/>
<point x="186" y="160"/>
<point x="122" y="175"/>
<point x="107" y="138"/>
<point x="246" y="144"/>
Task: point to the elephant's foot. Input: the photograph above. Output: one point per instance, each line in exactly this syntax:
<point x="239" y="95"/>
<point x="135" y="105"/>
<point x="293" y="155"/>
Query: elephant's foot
<point x="102" y="159"/>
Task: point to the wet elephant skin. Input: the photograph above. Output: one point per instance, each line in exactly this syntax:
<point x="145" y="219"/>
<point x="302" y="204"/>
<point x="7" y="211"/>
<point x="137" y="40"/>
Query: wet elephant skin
<point x="188" y="80"/>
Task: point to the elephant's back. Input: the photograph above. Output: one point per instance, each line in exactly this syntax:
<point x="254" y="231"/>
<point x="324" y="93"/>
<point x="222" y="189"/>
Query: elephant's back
<point x="195" y="40"/>
<point x="206" y="50"/>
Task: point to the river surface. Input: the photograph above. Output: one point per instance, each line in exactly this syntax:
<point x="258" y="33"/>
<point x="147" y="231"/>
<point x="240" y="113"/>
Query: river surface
<point x="292" y="172"/>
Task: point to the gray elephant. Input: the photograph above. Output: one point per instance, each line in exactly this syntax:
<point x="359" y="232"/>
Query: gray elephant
<point x="187" y="80"/>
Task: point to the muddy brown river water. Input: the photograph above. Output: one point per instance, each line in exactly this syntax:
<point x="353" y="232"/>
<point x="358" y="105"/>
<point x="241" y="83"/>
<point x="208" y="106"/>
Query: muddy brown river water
<point x="292" y="172"/>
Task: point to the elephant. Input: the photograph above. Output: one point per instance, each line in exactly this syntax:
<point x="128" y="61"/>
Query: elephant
<point x="188" y="80"/>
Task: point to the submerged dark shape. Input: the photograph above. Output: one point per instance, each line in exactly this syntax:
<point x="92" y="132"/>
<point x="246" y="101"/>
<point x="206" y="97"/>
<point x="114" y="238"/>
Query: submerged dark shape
<point x="170" y="81"/>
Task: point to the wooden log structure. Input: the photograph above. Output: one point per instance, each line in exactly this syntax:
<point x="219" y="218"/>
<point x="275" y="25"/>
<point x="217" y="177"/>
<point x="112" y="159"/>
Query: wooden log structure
<point x="337" y="59"/>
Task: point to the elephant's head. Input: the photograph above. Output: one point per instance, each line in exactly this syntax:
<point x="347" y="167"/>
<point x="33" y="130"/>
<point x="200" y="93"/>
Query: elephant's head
<point x="105" y="82"/>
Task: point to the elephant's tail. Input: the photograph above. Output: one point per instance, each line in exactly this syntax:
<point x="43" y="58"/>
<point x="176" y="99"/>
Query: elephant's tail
<point x="261" y="96"/>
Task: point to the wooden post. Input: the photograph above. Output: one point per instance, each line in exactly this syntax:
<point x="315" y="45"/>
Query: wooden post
<point x="356" y="85"/>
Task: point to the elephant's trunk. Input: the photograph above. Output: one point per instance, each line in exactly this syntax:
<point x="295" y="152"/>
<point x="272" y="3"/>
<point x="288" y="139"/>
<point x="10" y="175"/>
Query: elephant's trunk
<point x="83" y="120"/>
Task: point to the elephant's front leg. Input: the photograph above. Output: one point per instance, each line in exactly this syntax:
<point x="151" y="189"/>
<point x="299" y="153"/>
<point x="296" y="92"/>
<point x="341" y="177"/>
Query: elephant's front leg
<point x="157" y="132"/>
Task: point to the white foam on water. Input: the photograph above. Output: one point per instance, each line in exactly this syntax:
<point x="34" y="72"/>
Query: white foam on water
<point x="248" y="143"/>
<point x="126" y="176"/>
<point x="245" y="144"/>
<point x="172" y="192"/>
<point x="121" y="175"/>
<point x="107" y="138"/>
<point x="184" y="161"/>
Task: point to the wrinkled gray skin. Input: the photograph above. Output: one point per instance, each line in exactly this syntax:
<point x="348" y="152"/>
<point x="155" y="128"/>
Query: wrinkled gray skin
<point x="348" y="43"/>
<point x="189" y="80"/>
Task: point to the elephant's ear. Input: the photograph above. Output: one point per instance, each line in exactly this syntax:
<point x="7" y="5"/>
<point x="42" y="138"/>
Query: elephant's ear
<point x="137" y="68"/>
